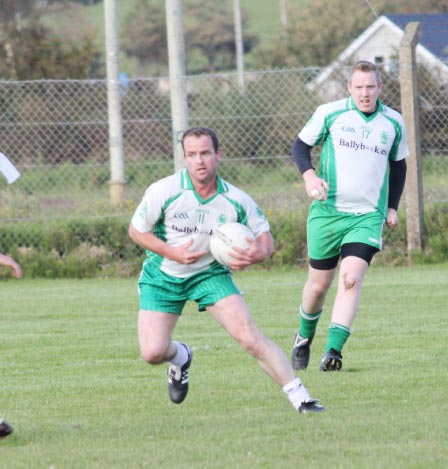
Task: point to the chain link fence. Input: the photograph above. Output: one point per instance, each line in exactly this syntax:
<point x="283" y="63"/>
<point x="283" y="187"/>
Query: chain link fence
<point x="56" y="133"/>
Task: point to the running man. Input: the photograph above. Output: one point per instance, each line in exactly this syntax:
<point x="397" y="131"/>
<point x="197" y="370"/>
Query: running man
<point x="173" y="223"/>
<point x="362" y="172"/>
<point x="8" y="261"/>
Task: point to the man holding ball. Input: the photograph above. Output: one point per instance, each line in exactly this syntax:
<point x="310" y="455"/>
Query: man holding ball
<point x="362" y="171"/>
<point x="174" y="222"/>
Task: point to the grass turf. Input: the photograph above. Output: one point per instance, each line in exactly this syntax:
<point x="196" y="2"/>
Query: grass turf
<point x="78" y="395"/>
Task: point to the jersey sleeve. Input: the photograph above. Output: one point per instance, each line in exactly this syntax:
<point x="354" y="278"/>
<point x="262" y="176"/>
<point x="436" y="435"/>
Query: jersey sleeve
<point x="245" y="210"/>
<point x="400" y="149"/>
<point x="148" y="211"/>
<point x="256" y="219"/>
<point x="314" y="130"/>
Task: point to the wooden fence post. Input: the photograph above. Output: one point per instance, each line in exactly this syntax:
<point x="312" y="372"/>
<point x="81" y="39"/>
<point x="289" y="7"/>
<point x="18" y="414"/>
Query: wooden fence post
<point x="410" y="112"/>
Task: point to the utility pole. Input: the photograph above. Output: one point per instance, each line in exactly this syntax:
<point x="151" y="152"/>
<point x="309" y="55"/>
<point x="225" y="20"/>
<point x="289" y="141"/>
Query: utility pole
<point x="177" y="74"/>
<point x="283" y="13"/>
<point x="239" y="43"/>
<point x="117" y="181"/>
<point x="284" y="19"/>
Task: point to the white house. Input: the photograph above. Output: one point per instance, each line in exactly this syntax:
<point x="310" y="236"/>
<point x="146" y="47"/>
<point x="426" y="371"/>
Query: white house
<point x="380" y="43"/>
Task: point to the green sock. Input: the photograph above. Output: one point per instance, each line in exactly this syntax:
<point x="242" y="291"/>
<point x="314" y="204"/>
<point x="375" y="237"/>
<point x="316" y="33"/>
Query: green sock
<point x="308" y="323"/>
<point x="337" y="337"/>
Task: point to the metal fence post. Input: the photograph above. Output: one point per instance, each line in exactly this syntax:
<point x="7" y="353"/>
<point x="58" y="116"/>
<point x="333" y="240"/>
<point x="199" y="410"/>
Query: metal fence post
<point x="178" y="92"/>
<point x="409" y="108"/>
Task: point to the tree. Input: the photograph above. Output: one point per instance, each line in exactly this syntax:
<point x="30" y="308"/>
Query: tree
<point x="320" y="30"/>
<point x="13" y="10"/>
<point x="29" y="50"/>
<point x="81" y="2"/>
<point x="143" y="36"/>
<point x="209" y="37"/>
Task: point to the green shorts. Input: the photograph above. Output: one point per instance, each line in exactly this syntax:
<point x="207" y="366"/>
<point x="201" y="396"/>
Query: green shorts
<point x="164" y="293"/>
<point x="328" y="229"/>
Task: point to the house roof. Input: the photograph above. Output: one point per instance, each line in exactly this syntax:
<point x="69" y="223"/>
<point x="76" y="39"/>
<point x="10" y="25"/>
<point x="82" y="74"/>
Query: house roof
<point x="434" y="30"/>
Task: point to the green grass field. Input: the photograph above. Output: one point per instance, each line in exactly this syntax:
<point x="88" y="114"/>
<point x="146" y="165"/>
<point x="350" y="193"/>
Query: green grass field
<point x="79" y="396"/>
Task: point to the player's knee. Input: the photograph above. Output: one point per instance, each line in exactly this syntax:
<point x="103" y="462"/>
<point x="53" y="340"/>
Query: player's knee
<point x="152" y="356"/>
<point x="318" y="290"/>
<point x="350" y="281"/>
<point x="253" y="344"/>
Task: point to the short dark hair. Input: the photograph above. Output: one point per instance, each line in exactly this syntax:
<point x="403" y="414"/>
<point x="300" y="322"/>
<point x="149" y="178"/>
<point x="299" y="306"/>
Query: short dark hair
<point x="365" y="66"/>
<point x="198" y="132"/>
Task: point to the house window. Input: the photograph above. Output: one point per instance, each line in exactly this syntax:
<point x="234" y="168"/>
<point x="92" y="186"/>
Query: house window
<point x="379" y="61"/>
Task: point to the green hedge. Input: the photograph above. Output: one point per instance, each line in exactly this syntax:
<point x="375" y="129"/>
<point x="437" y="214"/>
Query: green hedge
<point x="101" y="247"/>
<point x="73" y="249"/>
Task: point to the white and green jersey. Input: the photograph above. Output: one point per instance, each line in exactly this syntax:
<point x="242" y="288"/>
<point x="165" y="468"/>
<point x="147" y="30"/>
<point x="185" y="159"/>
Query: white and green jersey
<point x="355" y="155"/>
<point x="174" y="212"/>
